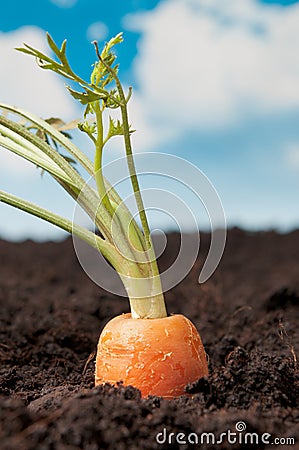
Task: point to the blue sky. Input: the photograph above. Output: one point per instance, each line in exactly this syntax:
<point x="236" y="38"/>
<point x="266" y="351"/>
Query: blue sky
<point x="215" y="82"/>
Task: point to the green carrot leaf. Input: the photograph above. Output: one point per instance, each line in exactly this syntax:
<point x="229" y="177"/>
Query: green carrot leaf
<point x="52" y="45"/>
<point x="85" y="97"/>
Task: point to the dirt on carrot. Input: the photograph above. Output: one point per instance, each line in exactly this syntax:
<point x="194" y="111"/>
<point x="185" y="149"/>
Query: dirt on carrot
<point x="51" y="315"/>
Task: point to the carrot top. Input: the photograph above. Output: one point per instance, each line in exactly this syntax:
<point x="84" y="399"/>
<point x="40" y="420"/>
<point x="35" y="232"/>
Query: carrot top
<point x="128" y="248"/>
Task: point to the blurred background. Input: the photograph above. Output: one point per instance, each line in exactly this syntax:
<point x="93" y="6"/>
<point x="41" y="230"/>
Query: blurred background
<point x="215" y="82"/>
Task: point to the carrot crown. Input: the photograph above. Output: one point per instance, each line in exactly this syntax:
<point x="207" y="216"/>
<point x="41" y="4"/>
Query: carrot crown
<point x="127" y="247"/>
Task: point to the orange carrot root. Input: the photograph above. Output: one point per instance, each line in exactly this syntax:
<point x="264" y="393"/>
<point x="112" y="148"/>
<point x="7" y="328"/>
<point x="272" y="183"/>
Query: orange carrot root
<point x="158" y="356"/>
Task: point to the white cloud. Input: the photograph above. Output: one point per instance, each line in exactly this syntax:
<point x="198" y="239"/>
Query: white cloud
<point x="25" y="85"/>
<point x="205" y="64"/>
<point x="97" y="31"/>
<point x="291" y="152"/>
<point x="147" y="134"/>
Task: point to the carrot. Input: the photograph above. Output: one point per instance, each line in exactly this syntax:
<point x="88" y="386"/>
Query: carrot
<point x="158" y="356"/>
<point x="156" y="353"/>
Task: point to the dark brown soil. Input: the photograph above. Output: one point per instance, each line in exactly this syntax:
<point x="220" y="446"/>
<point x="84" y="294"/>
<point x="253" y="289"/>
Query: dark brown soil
<point x="51" y="315"/>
